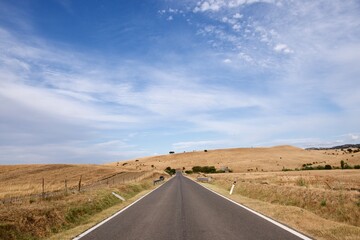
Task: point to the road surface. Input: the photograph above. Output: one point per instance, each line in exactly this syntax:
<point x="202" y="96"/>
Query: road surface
<point x="183" y="210"/>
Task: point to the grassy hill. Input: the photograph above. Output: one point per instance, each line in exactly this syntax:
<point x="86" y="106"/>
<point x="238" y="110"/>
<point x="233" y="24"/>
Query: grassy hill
<point x="244" y="159"/>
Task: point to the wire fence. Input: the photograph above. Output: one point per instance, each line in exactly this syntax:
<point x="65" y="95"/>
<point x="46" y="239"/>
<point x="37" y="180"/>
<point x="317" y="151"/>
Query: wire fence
<point x="109" y="181"/>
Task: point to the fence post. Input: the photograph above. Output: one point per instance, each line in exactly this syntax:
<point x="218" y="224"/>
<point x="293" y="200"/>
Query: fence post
<point x="43" y="188"/>
<point x="66" y="189"/>
<point x="80" y="183"/>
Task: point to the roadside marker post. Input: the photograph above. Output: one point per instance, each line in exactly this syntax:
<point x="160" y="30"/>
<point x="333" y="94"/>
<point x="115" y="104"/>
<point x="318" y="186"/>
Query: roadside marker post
<point x="232" y="187"/>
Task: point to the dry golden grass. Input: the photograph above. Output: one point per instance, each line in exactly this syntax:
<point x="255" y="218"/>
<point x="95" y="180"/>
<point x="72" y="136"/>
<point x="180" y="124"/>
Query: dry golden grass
<point x="323" y="204"/>
<point x="20" y="180"/>
<point x="244" y="159"/>
<point x="296" y="217"/>
<point x="64" y="215"/>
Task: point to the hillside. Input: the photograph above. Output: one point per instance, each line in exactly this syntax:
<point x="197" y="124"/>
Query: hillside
<point x="243" y="159"/>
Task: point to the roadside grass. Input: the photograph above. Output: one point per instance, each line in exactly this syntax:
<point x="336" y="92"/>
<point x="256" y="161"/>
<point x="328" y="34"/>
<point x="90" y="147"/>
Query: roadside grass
<point x="303" y="202"/>
<point x="43" y="218"/>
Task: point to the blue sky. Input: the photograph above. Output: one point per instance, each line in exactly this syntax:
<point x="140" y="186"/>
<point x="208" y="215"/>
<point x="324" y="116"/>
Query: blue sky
<point x="101" y="81"/>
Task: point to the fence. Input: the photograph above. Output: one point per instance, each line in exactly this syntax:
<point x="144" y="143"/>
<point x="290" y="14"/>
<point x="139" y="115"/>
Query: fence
<point x="118" y="178"/>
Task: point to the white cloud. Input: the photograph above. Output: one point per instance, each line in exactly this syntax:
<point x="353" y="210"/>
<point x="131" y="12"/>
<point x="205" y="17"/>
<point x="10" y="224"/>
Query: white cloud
<point x="237" y="16"/>
<point x="227" y="60"/>
<point x="282" y="48"/>
<point x="211" y="5"/>
<point x="354" y="137"/>
<point x="217" y="5"/>
<point x="236" y="27"/>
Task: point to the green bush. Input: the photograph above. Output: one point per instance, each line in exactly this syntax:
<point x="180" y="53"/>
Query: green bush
<point x="204" y="169"/>
<point x="189" y="172"/>
<point x="327" y="166"/>
<point x="319" y="167"/>
<point x="357" y="167"/>
<point x="170" y="170"/>
<point x="307" y="168"/>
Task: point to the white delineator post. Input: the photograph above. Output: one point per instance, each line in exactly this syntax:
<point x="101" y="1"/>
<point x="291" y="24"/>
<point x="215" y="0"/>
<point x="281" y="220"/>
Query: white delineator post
<point x="232" y="187"/>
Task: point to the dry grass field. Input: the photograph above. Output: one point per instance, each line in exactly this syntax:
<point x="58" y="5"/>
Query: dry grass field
<point x="20" y="180"/>
<point x="327" y="201"/>
<point x="244" y="159"/>
<point x="40" y="218"/>
<point x="329" y="197"/>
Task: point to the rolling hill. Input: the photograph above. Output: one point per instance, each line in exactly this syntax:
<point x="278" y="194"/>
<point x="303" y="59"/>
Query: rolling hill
<point x="244" y="159"/>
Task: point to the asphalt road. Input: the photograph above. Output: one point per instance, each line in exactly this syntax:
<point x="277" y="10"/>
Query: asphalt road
<point x="182" y="209"/>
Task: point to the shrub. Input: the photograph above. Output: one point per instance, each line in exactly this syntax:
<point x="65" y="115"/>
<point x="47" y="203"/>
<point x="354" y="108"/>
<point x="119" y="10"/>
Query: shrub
<point x="357" y="167"/>
<point x="170" y="170"/>
<point x="347" y="166"/>
<point x="189" y="172"/>
<point x="301" y="182"/>
<point x="204" y="169"/>
<point x="319" y="167"/>
<point x="327" y="166"/>
<point x="342" y="164"/>
<point x="323" y="203"/>
<point x="307" y="168"/>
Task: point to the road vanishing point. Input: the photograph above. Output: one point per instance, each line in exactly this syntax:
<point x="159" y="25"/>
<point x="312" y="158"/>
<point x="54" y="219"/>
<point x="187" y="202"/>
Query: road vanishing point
<point x="181" y="209"/>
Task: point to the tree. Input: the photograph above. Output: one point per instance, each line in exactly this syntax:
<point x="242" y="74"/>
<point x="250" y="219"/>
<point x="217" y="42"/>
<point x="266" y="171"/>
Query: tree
<point x="170" y="170"/>
<point x="327" y="166"/>
<point x="342" y="164"/>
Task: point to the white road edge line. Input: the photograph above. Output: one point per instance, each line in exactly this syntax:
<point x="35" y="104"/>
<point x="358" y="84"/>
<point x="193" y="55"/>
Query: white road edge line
<point x="259" y="214"/>
<point x="115" y="214"/>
